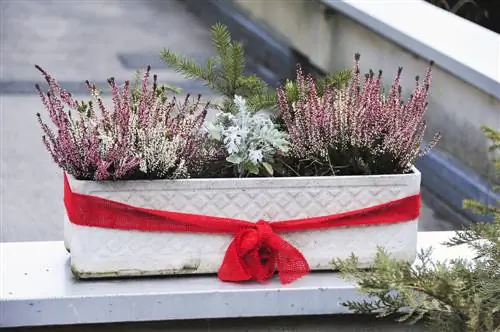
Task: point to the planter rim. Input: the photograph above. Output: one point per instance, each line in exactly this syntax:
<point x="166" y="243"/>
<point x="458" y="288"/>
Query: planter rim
<point x="414" y="172"/>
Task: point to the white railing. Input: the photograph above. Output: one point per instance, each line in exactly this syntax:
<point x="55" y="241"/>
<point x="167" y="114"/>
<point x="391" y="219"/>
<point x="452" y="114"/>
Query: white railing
<point x="459" y="46"/>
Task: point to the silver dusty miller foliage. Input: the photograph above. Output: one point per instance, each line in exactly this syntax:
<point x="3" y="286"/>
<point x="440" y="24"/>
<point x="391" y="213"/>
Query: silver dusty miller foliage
<point x="251" y="140"/>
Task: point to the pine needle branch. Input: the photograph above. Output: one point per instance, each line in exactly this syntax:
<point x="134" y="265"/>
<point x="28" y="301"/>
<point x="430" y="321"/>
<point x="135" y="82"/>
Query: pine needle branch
<point x="189" y="68"/>
<point x="225" y="73"/>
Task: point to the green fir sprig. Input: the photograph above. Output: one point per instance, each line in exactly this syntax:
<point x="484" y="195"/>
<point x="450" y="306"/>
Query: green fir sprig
<point x="226" y="74"/>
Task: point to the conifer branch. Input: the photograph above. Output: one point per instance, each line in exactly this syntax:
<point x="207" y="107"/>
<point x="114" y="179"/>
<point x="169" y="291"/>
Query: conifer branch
<point x="225" y="73"/>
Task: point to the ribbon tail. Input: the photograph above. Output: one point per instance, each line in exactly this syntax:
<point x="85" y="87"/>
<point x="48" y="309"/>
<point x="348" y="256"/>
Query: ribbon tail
<point x="232" y="268"/>
<point x="292" y="265"/>
<point x="68" y="199"/>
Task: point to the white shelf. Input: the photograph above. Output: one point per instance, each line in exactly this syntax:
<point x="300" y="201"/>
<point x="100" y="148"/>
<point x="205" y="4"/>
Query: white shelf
<point x="37" y="288"/>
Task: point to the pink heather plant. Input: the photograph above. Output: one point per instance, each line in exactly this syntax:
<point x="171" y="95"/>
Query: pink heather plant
<point x="357" y="129"/>
<point x="144" y="135"/>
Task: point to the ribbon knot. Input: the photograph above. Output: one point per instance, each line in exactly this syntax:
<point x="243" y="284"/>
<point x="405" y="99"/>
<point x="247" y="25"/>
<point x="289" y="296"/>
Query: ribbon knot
<point x="257" y="252"/>
<point x="264" y="229"/>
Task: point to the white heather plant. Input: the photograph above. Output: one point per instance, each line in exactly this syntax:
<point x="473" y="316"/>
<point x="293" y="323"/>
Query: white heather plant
<point x="171" y="141"/>
<point x="251" y="140"/>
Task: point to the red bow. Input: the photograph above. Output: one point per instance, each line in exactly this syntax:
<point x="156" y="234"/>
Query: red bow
<point x="256" y="253"/>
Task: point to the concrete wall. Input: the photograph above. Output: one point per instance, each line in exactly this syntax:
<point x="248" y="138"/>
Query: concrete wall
<point x="329" y="39"/>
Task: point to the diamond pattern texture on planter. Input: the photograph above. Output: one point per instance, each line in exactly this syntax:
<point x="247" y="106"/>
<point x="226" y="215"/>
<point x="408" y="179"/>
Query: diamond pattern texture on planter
<point x="109" y="252"/>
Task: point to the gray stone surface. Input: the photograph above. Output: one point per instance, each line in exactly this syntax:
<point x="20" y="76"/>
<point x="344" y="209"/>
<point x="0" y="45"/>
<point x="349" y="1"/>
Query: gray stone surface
<point x="76" y="40"/>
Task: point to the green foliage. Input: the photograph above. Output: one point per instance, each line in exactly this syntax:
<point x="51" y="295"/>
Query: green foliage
<point x="482" y="12"/>
<point x="335" y="80"/>
<point x="225" y="73"/>
<point x="161" y="90"/>
<point x="450" y="296"/>
<point x="468" y="9"/>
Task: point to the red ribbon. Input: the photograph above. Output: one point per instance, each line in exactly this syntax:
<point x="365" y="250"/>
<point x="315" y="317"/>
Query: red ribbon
<point x="256" y="252"/>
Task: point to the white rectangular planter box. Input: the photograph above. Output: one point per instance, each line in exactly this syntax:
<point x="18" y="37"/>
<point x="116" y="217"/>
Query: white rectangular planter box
<point x="99" y="252"/>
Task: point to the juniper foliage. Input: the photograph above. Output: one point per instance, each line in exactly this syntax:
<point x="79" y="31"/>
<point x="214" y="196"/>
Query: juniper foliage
<point x="450" y="296"/>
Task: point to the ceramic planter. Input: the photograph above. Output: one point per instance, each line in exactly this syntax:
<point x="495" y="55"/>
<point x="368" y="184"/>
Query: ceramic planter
<point x="99" y="252"/>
